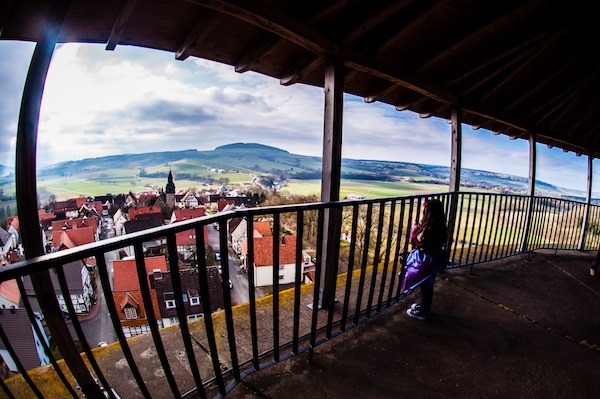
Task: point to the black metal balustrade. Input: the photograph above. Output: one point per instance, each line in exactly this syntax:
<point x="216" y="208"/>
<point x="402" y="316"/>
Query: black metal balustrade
<point x="208" y="356"/>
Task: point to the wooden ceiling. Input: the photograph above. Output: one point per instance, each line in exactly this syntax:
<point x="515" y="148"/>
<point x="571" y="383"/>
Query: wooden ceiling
<point x="512" y="66"/>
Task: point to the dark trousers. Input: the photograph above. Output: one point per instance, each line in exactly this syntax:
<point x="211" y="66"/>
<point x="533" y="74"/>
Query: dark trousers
<point x="426" y="294"/>
<point x="596" y="262"/>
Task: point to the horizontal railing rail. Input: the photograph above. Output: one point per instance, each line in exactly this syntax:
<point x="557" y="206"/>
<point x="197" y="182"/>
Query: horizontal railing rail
<point x="281" y="309"/>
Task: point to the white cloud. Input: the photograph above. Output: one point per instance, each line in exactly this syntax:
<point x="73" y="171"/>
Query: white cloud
<point x="134" y="100"/>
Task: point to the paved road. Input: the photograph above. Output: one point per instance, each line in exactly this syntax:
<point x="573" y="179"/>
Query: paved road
<point x="239" y="279"/>
<point x="98" y="326"/>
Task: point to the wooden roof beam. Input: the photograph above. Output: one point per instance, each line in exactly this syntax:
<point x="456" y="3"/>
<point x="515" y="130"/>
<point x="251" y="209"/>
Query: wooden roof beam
<point x="269" y="17"/>
<point x="196" y="36"/>
<point x="302" y="67"/>
<point x="120" y="23"/>
<point x="381" y="93"/>
<point x="375" y="20"/>
<point x="257" y="52"/>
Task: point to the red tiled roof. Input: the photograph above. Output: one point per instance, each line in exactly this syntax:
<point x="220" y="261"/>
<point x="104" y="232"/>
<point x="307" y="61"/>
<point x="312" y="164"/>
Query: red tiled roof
<point x="263" y="227"/>
<point x="64" y="239"/>
<point x="75" y="224"/>
<point x="10" y="290"/>
<point x="188" y="213"/>
<point x="133" y="212"/>
<point x="125" y="272"/>
<point x="121" y="299"/>
<point x="43" y="215"/>
<point x="222" y="203"/>
<point x="263" y="251"/>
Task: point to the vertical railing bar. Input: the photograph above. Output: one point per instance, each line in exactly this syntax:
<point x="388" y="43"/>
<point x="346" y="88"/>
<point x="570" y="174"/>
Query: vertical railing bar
<point x="297" y="279"/>
<point x="569" y="222"/>
<point x="553" y="240"/>
<point x="205" y="300"/>
<point x="593" y="241"/>
<point x="519" y="225"/>
<point x="38" y="332"/>
<point x="6" y="390"/>
<point x="317" y="285"/>
<point x="479" y="246"/>
<point x="145" y="290"/>
<point x="180" y="308"/>
<point x="275" y="276"/>
<point x="376" y="259"/>
<point x="466" y="228"/>
<point x="409" y="222"/>
<point x="114" y="317"/>
<point x="397" y="255"/>
<point x="576" y="217"/>
<point x="456" y="232"/>
<point x="532" y="225"/>
<point x="500" y="226"/>
<point x="503" y="228"/>
<point x="497" y="211"/>
<point x="350" y="273"/>
<point x="387" y="254"/>
<point x="537" y="223"/>
<point x="546" y="240"/>
<point x="482" y="256"/>
<point x="227" y="298"/>
<point x="511" y="229"/>
<point x="252" y="289"/>
<point x="337" y="222"/>
<point x="472" y="227"/>
<point x="64" y="287"/>
<point x="18" y="363"/>
<point x="393" y="275"/>
<point x="365" y="259"/>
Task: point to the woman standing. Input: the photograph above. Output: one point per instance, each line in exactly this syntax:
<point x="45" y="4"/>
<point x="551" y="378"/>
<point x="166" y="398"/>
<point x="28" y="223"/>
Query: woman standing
<point x="429" y="236"/>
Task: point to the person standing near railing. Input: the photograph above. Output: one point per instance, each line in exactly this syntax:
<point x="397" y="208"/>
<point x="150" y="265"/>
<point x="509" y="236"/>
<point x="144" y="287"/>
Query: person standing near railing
<point x="429" y="236"/>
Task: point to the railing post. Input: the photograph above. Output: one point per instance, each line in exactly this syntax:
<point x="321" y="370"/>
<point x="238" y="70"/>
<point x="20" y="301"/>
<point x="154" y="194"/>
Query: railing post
<point x="455" y="166"/>
<point x="588" y="201"/>
<point x="26" y="188"/>
<point x="532" y="172"/>
<point x="331" y="173"/>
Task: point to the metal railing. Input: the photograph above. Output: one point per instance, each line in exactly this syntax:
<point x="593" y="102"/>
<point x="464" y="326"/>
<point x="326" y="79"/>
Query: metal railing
<point x="208" y="356"/>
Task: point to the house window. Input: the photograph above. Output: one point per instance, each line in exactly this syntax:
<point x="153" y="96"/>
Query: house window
<point x="130" y="313"/>
<point x="174" y="320"/>
<point x="195" y="316"/>
<point x="194" y="300"/>
<point x="170" y="303"/>
<point x="281" y="267"/>
<point x="280" y="277"/>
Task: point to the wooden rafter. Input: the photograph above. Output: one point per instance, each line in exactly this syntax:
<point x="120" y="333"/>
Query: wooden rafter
<point x="120" y="23"/>
<point x="204" y="27"/>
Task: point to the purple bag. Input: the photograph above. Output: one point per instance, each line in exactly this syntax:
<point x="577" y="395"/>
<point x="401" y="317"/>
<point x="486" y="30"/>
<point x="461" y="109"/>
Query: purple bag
<point x="419" y="267"/>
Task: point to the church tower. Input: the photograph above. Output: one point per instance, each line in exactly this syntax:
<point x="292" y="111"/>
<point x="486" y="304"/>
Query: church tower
<point x="170" y="191"/>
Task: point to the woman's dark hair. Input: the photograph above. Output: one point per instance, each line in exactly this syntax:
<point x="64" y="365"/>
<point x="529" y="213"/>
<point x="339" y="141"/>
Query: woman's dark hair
<point x="431" y="231"/>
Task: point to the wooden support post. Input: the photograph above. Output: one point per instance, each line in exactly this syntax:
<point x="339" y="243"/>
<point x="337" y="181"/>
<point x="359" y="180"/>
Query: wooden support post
<point x="588" y="201"/>
<point x="455" y="166"/>
<point x="331" y="174"/>
<point x="532" y="172"/>
<point x="26" y="188"/>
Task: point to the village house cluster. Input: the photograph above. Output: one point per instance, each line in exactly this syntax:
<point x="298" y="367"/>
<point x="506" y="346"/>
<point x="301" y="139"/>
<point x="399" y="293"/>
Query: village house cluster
<point x="79" y="221"/>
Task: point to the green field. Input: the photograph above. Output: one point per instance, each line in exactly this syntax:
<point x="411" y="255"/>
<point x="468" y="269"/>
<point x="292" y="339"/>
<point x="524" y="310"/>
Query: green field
<point x="366" y="188"/>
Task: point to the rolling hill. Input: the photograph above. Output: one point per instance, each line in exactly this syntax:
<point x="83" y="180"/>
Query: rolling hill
<point x="241" y="163"/>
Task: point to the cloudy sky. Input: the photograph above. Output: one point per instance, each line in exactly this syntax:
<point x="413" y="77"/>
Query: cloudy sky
<point x="132" y="100"/>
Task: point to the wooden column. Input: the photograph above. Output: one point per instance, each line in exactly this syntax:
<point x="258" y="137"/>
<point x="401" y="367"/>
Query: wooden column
<point x="26" y="188"/>
<point x="331" y="173"/>
<point x="531" y="192"/>
<point x="455" y="166"/>
<point x="588" y="201"/>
